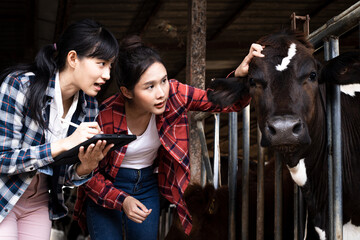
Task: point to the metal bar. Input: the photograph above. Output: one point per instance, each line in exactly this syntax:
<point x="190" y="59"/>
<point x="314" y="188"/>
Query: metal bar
<point x="245" y="174"/>
<point x="336" y="138"/>
<point x="205" y="154"/>
<point x="260" y="190"/>
<point x="306" y="25"/>
<point x="217" y="165"/>
<point x="293" y="21"/>
<point x="195" y="74"/>
<point x="233" y="166"/>
<point x="330" y="148"/>
<point x="302" y="214"/>
<point x="278" y="198"/>
<point x="304" y="19"/>
<point x="162" y="224"/>
<point x="337" y="25"/>
<point x="203" y="171"/>
<point x="296" y="213"/>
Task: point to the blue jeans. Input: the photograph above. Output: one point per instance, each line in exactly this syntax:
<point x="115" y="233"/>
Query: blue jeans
<point x="113" y="224"/>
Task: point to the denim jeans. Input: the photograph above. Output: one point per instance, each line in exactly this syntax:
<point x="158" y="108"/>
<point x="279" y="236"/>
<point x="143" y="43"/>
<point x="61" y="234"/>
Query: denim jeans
<point x="110" y="224"/>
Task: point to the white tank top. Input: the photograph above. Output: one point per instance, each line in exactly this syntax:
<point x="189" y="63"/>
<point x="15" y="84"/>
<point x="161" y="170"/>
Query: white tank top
<point x="142" y="152"/>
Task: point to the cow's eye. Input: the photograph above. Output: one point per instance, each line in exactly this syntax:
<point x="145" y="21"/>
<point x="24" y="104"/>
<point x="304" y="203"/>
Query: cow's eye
<point x="252" y="82"/>
<point x="312" y="76"/>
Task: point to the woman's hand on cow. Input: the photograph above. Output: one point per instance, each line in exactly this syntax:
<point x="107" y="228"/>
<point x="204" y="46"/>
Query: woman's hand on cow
<point x="255" y="51"/>
<point x="135" y="210"/>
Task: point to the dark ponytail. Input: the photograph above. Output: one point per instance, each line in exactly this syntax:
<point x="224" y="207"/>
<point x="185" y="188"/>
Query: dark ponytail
<point x="87" y="37"/>
<point x="134" y="59"/>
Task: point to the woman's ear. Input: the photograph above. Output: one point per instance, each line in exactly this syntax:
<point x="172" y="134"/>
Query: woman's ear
<point x="72" y="59"/>
<point x="126" y="92"/>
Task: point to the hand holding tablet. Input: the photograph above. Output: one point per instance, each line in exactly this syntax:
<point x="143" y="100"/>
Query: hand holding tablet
<point x="71" y="156"/>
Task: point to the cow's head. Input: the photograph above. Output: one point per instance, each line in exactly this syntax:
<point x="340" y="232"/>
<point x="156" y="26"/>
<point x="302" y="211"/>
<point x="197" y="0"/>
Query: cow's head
<point x="284" y="87"/>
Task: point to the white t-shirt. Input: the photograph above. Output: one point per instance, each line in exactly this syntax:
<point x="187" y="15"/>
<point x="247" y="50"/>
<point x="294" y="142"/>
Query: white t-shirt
<point x="142" y="152"/>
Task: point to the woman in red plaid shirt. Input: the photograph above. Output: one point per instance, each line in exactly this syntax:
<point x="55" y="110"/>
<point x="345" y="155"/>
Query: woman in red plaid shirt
<point x="123" y="196"/>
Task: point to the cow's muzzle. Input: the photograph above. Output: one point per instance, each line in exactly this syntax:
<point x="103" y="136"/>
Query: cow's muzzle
<point x="285" y="133"/>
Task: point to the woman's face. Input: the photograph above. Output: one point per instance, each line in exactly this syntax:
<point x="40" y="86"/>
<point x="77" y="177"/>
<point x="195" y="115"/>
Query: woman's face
<point x="91" y="74"/>
<point x="152" y="91"/>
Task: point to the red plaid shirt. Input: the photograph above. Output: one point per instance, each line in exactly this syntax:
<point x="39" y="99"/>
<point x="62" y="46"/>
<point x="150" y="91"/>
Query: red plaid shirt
<point x="174" y="161"/>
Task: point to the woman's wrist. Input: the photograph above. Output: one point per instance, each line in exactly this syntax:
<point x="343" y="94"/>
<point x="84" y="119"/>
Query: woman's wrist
<point x="57" y="147"/>
<point x="81" y="170"/>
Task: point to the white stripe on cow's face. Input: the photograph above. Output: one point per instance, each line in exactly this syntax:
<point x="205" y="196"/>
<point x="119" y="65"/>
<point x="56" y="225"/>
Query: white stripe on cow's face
<point x="350" y="89"/>
<point x="286" y="60"/>
<point x="350" y="231"/>
<point x="321" y="233"/>
<point x="298" y="173"/>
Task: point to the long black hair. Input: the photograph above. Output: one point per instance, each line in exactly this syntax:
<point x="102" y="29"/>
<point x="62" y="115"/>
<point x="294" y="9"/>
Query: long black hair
<point x="87" y="37"/>
<point x="134" y="59"/>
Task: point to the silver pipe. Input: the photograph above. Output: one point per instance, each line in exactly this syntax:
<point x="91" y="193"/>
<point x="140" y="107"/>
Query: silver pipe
<point x="336" y="137"/>
<point x="245" y="174"/>
<point x="278" y="197"/>
<point x="330" y="146"/>
<point x="337" y="25"/>
<point x="260" y="190"/>
<point x="217" y="151"/>
<point x="206" y="173"/>
<point x="233" y="161"/>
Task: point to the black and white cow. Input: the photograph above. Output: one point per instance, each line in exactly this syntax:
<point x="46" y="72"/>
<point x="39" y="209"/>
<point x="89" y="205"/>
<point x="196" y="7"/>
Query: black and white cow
<point x="289" y="99"/>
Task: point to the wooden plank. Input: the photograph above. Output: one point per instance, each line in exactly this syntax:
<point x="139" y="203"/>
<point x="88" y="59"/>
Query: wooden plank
<point x="195" y="65"/>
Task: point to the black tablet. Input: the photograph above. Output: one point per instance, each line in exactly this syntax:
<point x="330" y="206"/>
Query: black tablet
<point x="71" y="156"/>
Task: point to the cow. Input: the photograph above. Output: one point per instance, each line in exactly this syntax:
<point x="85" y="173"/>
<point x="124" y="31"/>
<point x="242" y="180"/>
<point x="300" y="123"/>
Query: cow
<point x="289" y="97"/>
<point x="209" y="207"/>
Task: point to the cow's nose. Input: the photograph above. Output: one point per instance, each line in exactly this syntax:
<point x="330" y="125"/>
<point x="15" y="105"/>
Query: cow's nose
<point x="285" y="130"/>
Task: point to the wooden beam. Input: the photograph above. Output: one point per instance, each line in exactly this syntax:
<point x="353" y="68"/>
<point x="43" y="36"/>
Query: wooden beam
<point x="62" y="17"/>
<point x="241" y="8"/>
<point x="195" y="74"/>
<point x="144" y="17"/>
<point x="30" y="46"/>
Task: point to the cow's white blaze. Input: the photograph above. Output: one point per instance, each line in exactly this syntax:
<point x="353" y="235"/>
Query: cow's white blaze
<point x="286" y="60"/>
<point x="298" y="173"/>
<point x="350" y="89"/>
<point x="350" y="231"/>
<point x="321" y="233"/>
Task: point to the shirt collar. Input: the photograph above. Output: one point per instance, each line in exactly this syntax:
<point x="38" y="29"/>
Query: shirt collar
<point x="119" y="116"/>
<point x="58" y="98"/>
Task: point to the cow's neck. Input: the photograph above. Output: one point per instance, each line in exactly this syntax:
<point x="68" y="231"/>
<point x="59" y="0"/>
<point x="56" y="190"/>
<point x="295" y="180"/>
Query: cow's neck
<point x="315" y="159"/>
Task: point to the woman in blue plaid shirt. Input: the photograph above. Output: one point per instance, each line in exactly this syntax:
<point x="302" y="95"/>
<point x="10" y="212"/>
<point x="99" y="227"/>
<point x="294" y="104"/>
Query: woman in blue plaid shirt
<point x="35" y="99"/>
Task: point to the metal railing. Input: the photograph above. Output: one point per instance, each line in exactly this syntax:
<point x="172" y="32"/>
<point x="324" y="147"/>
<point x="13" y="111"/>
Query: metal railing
<point x="326" y="36"/>
<point x="337" y="26"/>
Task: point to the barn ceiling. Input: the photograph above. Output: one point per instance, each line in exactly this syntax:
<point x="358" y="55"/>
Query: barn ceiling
<point x="232" y="25"/>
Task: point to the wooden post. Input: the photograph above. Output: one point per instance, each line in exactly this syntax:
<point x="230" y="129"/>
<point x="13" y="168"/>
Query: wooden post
<point x="195" y="74"/>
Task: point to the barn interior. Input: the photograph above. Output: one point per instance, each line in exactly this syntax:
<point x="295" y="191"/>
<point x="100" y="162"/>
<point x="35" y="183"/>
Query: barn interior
<point x="229" y="26"/>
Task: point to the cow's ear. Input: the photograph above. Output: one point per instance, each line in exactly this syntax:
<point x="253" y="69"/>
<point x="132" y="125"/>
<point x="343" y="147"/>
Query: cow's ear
<point x="342" y="70"/>
<point x="319" y="66"/>
<point x="300" y="36"/>
<point x="227" y="91"/>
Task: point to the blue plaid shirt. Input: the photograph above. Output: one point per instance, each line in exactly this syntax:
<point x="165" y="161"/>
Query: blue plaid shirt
<point x="23" y="149"/>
